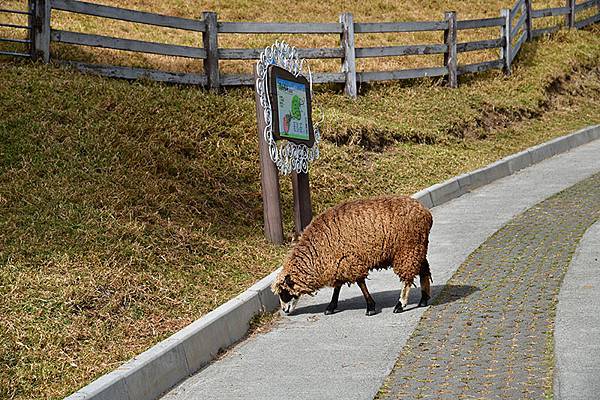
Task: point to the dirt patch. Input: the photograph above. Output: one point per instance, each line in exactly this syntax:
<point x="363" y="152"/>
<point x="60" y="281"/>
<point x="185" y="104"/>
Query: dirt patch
<point x="376" y="139"/>
<point x="581" y="82"/>
<point x="492" y="118"/>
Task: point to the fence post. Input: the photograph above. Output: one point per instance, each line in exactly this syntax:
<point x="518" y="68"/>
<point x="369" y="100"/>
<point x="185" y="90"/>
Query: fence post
<point x="40" y="32"/>
<point x="302" y="205"/>
<point x="529" y="20"/>
<point x="570" y="17"/>
<point x="505" y="50"/>
<point x="450" y="56"/>
<point x="269" y="180"/>
<point x="349" y="60"/>
<point x="30" y="21"/>
<point x="211" y="45"/>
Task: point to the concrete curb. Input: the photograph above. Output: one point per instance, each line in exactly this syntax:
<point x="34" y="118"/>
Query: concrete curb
<point x="577" y="323"/>
<point x="159" y="368"/>
<point x="455" y="187"/>
<point x="156" y="370"/>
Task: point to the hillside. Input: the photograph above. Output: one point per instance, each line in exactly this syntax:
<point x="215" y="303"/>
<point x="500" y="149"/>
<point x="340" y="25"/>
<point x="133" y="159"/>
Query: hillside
<point x="128" y="210"/>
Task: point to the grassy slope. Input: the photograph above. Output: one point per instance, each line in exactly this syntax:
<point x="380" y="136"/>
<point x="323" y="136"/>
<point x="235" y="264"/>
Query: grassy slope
<point x="129" y="210"/>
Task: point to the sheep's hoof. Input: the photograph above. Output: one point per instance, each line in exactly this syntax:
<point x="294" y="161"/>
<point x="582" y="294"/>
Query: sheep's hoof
<point x="398" y="309"/>
<point x="329" y="312"/>
<point x="371" y="312"/>
<point x="424" y="299"/>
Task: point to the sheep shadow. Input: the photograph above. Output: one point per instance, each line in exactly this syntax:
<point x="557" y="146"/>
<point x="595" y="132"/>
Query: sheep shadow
<point x="389" y="298"/>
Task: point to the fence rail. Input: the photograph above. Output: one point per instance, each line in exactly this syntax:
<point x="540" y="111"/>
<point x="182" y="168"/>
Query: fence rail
<point x="137" y="73"/>
<point x="551" y="12"/>
<point x="254" y="54"/>
<point x="519" y="24"/>
<point x="585" y="5"/>
<point x="122" y="14"/>
<point x="6" y="25"/>
<point x="391" y="51"/>
<point x="85" y="39"/>
<point x="16" y="49"/>
<point x="387" y="27"/>
<point x="5" y="10"/>
<point x="544" y="31"/>
<point x="480" y="45"/>
<point x="277" y="27"/>
<point x="11" y="40"/>
<point x="480" y="67"/>
<point x="13" y="54"/>
<point x="588" y="21"/>
<point x="480" y="23"/>
<point x="373" y="76"/>
<point x="517" y="46"/>
<point x="516" y="27"/>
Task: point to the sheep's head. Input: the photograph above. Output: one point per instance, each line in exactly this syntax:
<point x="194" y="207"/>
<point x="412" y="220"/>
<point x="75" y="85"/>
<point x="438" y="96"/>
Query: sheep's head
<point x="284" y="287"/>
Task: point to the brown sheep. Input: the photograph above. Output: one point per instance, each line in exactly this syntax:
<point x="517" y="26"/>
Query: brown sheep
<point x="347" y="241"/>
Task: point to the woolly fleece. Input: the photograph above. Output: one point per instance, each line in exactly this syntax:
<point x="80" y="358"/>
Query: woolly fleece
<point x="347" y="241"/>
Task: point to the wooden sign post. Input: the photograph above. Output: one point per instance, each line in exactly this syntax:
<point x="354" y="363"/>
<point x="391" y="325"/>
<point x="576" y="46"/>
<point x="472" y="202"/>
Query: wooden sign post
<point x="302" y="205"/>
<point x="269" y="182"/>
<point x="288" y="140"/>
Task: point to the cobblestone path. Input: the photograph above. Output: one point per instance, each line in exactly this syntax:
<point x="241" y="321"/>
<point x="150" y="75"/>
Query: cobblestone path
<point x="497" y="342"/>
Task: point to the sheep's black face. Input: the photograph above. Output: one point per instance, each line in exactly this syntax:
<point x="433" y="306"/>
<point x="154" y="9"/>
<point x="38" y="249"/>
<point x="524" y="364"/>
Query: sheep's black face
<point x="288" y="301"/>
<point x="284" y="287"/>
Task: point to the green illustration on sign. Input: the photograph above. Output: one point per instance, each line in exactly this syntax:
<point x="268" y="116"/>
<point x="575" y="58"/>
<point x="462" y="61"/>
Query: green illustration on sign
<point x="292" y="109"/>
<point x="296" y="107"/>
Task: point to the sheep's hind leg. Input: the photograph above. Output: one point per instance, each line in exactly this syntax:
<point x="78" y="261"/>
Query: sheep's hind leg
<point x="425" y="280"/>
<point x="403" y="300"/>
<point x="370" y="302"/>
<point x="334" y="300"/>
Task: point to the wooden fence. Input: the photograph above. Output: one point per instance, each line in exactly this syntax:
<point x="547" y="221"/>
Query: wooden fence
<point x="27" y="52"/>
<point x="515" y="26"/>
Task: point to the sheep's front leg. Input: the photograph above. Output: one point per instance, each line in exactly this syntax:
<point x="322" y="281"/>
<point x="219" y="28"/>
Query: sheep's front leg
<point x="370" y="302"/>
<point x="403" y="300"/>
<point x="425" y="291"/>
<point x="334" y="300"/>
<point x="425" y="279"/>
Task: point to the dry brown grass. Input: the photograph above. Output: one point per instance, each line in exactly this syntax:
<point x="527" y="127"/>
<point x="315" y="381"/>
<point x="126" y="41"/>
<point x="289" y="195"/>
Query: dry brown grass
<point x="128" y="210"/>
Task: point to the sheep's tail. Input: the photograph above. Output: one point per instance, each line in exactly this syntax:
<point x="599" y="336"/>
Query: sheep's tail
<point x="425" y="271"/>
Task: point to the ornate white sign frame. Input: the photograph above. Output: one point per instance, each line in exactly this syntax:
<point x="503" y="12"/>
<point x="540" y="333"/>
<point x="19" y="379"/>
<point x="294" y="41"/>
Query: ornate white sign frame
<point x="286" y="155"/>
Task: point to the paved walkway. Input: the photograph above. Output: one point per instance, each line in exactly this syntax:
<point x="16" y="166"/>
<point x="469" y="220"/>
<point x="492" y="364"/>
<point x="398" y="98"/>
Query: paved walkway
<point x="497" y="343"/>
<point x="348" y="355"/>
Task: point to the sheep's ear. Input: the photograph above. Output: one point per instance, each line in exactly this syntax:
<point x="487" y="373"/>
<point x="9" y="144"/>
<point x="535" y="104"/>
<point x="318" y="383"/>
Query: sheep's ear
<point x="288" y="282"/>
<point x="276" y="285"/>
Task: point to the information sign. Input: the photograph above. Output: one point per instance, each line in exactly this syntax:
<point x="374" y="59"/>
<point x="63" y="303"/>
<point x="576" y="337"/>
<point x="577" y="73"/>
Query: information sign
<point x="288" y="141"/>
<point x="284" y="103"/>
<point x="291" y="102"/>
